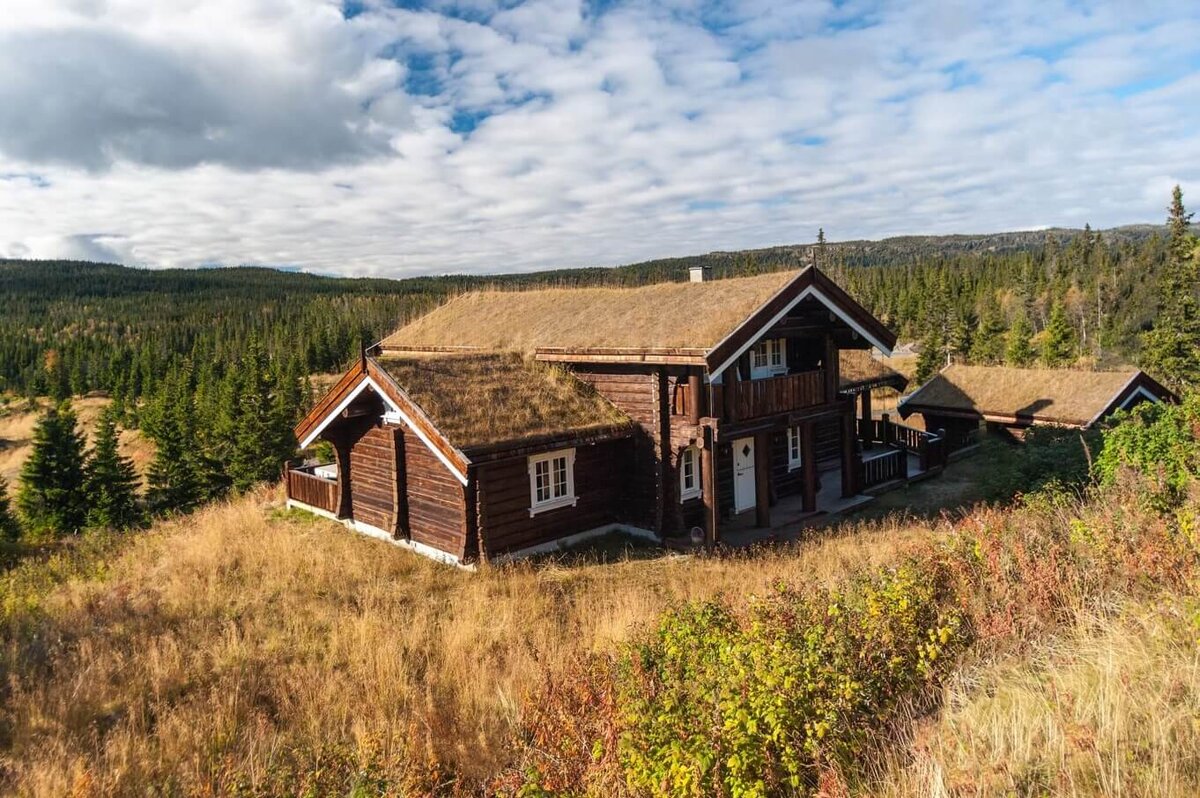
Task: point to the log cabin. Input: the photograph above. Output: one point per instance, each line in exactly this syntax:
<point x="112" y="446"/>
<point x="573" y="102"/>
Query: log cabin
<point x="506" y="423"/>
<point x="1009" y="401"/>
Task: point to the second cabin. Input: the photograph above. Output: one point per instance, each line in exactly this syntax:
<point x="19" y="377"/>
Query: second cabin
<point x="504" y="423"/>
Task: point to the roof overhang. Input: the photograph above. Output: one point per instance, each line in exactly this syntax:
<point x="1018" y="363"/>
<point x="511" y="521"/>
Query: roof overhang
<point x="367" y="375"/>
<point x="671" y="356"/>
<point x="810" y="283"/>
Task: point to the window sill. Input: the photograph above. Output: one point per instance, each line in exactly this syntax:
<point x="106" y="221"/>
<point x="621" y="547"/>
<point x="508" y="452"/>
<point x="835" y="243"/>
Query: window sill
<point x="795" y="467"/>
<point x="565" y="501"/>
<point x="687" y="497"/>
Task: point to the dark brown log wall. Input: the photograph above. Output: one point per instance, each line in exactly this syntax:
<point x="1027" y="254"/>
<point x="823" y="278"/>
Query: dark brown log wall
<point x="635" y="391"/>
<point x="435" y="499"/>
<point x="373" y="478"/>
<point x="603" y="482"/>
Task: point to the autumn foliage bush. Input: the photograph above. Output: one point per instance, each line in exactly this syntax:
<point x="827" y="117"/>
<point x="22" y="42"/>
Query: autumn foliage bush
<point x="789" y="693"/>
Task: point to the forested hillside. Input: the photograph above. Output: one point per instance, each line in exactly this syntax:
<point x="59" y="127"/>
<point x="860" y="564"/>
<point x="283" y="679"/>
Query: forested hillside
<point x="76" y="327"/>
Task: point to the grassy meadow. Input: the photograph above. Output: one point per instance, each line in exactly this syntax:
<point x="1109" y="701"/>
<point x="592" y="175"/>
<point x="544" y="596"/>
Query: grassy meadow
<point x="1049" y="647"/>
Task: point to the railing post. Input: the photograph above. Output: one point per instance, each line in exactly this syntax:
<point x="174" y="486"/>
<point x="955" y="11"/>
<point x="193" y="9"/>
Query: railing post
<point x="885" y="429"/>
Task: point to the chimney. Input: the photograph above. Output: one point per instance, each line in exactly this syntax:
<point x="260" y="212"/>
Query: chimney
<point x="699" y="274"/>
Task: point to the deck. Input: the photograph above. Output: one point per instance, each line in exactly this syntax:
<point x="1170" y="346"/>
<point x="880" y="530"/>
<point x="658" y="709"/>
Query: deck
<point x="788" y="518"/>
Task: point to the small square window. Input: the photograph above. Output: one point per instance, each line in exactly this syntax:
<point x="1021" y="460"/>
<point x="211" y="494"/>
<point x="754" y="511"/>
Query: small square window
<point x="551" y="481"/>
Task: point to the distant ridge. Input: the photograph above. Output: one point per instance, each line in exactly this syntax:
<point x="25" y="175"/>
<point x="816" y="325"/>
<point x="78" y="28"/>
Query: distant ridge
<point x="882" y="252"/>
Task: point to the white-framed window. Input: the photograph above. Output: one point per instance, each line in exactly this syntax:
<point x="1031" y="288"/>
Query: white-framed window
<point x="689" y="473"/>
<point x="551" y="481"/>
<point x="795" y="458"/>
<point x="768" y="358"/>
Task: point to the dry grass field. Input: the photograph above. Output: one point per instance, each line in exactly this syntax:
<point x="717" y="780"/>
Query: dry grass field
<point x="16" y="434"/>
<point x="246" y="646"/>
<point x="249" y="651"/>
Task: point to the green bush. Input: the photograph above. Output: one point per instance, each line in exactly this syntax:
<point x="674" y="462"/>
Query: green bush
<point x="1158" y="441"/>
<point x="1047" y="458"/>
<point x="719" y="704"/>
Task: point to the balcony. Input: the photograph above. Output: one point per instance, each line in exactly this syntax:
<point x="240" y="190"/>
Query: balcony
<point x="750" y="399"/>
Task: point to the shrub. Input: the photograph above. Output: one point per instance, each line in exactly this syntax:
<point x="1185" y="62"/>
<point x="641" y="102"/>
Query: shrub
<point x="1158" y="441"/>
<point x="720" y="704"/>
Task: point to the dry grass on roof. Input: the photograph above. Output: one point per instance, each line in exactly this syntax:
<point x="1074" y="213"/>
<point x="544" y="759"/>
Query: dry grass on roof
<point x="674" y="315"/>
<point x="859" y="367"/>
<point x="478" y="399"/>
<point x="1057" y="395"/>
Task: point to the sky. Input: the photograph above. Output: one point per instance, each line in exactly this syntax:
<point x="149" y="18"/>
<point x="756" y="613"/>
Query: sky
<point x="384" y="138"/>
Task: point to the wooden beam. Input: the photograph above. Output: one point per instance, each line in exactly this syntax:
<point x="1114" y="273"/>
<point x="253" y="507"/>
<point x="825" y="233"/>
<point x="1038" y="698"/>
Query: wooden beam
<point x="708" y="478"/>
<point x="762" y="480"/>
<point x="695" y="397"/>
<point x="832" y="371"/>
<point x="865" y="430"/>
<point x="808" y="459"/>
<point x="849" y="456"/>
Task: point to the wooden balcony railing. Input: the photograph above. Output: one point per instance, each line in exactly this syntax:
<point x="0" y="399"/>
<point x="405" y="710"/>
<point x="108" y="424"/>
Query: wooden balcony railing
<point x="929" y="447"/>
<point x="742" y="400"/>
<point x="891" y="465"/>
<point x="320" y="492"/>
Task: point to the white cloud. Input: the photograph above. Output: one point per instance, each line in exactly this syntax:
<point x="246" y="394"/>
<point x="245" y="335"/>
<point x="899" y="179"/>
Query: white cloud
<point x="548" y="134"/>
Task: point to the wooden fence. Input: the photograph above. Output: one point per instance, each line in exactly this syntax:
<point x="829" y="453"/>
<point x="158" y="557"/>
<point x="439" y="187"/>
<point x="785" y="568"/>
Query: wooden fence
<point x="308" y="488"/>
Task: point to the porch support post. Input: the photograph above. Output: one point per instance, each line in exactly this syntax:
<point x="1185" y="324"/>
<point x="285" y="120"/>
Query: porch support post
<point x="708" y="481"/>
<point x="849" y="455"/>
<point x="865" y="426"/>
<point x="762" y="479"/>
<point x="341" y="453"/>
<point x="832" y="368"/>
<point x="808" y="459"/>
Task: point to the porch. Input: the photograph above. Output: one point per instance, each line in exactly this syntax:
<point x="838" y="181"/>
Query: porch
<point x="314" y="486"/>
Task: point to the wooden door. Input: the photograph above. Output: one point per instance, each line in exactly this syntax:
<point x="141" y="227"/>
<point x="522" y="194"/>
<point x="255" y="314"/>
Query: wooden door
<point x="743" y="474"/>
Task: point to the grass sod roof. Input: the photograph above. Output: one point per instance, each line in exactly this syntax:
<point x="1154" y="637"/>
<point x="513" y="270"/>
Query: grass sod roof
<point x="1056" y="396"/>
<point x="857" y="368"/>
<point x="664" y="315"/>
<point x="486" y="398"/>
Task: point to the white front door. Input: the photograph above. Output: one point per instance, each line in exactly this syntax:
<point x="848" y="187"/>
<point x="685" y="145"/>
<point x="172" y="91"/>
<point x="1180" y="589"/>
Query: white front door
<point x="743" y="474"/>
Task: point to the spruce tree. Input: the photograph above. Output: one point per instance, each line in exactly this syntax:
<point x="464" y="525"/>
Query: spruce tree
<point x="51" y="496"/>
<point x="1059" y="344"/>
<point x="1171" y="350"/>
<point x="1017" y="349"/>
<point x="111" y="480"/>
<point x="10" y="529"/>
<point x="175" y="481"/>
<point x="254" y="457"/>
<point x="987" y="348"/>
<point x="932" y="357"/>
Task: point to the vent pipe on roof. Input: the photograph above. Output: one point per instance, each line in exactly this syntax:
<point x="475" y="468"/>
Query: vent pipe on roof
<point x="700" y="274"/>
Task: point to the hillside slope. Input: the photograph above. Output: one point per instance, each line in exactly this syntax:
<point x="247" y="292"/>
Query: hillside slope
<point x="245" y="650"/>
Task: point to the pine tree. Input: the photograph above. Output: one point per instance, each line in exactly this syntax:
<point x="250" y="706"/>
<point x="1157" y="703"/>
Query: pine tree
<point x="255" y="454"/>
<point x="51" y="496"/>
<point x="1171" y="350"/>
<point x="1017" y="349"/>
<point x="10" y="529"/>
<point x="1059" y="344"/>
<point x="987" y="348"/>
<point x="932" y="357"/>
<point x="175" y="480"/>
<point x="111" y="480"/>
